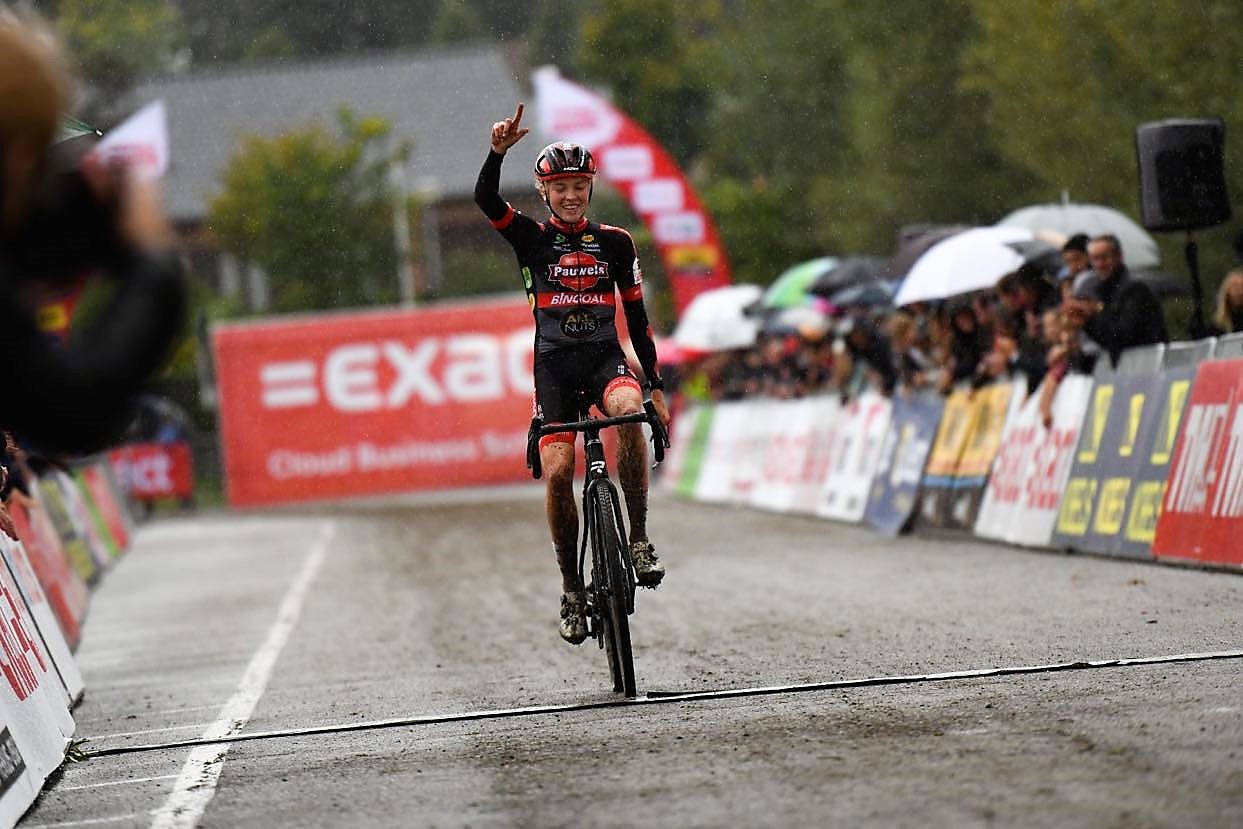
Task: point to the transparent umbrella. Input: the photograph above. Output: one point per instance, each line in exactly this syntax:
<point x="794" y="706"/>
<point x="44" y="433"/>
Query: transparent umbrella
<point x="969" y="261"/>
<point x="1139" y="249"/>
<point x="716" y="320"/>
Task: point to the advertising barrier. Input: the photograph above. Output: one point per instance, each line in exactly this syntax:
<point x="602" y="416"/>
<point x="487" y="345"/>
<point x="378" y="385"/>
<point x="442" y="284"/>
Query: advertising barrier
<point x="49" y="496"/>
<point x="1202" y="510"/>
<point x="826" y="419"/>
<point x="687" y="447"/>
<point x="715" y="483"/>
<point x="35" y="724"/>
<point x="364" y="403"/>
<point x="46" y="626"/>
<point x="1021" y="499"/>
<point x="967" y="441"/>
<point x="80" y="516"/>
<point x="103" y="496"/>
<point x="855" y="458"/>
<point x="65" y="589"/>
<point x="895" y="487"/>
<point x="1113" y="497"/>
<point x="151" y="471"/>
<point x="1157" y="436"/>
<point x="786" y="432"/>
<point x="937" y="491"/>
<point x="751" y="468"/>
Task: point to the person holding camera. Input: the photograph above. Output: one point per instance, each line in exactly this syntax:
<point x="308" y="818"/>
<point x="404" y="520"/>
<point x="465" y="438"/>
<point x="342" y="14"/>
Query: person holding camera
<point x="60" y="217"/>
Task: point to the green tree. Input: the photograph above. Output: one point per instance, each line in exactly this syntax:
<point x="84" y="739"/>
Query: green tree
<point x="457" y="22"/>
<point x="1066" y="90"/>
<point x="648" y="53"/>
<point x="315" y="211"/>
<point x="116" y="42"/>
<point x="552" y="37"/>
<point x="920" y="147"/>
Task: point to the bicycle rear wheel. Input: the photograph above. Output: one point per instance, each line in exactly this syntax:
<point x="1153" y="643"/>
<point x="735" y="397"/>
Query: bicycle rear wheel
<point x="611" y="587"/>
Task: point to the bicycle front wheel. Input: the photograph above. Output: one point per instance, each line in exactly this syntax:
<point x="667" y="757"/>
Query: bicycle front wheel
<point x="611" y="587"/>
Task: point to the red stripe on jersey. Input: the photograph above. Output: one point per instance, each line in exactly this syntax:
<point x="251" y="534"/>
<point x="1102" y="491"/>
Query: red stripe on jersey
<point x="603" y="226"/>
<point x="632" y="293"/>
<point x="504" y="221"/>
<point x="565" y="299"/>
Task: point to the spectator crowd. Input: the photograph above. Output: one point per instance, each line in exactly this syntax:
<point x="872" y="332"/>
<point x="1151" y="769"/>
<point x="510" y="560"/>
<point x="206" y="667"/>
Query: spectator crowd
<point x="1039" y="322"/>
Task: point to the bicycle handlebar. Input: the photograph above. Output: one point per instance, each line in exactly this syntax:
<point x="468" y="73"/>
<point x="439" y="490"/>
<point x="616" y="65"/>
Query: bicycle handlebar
<point x="660" y="436"/>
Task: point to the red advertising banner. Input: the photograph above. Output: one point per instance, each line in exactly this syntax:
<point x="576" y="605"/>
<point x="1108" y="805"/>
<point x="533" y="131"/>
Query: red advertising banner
<point x="1202" y="512"/>
<point x="147" y="471"/>
<point x="327" y="406"/>
<point x="631" y="160"/>
<point x="103" y="498"/>
<point x="65" y="590"/>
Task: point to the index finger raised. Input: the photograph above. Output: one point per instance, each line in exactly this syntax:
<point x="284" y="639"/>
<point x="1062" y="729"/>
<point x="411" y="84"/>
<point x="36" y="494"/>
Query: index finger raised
<point x="518" y="114"/>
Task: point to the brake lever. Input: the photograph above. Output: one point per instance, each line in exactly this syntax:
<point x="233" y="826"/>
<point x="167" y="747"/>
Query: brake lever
<point x="660" y="435"/>
<point x="533" y="459"/>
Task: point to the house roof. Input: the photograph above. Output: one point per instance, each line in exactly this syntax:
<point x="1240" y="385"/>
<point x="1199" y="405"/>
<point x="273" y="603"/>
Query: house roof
<point x="442" y="101"/>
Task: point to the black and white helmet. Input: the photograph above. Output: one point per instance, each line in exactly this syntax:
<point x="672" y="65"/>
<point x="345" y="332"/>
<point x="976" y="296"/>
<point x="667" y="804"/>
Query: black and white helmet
<point x="564" y="159"/>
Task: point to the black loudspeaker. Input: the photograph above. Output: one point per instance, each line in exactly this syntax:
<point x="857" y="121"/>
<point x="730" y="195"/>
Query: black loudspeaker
<point x="1181" y="184"/>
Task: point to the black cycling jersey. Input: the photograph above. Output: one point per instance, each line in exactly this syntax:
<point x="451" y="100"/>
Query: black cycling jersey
<point x="572" y="276"/>
<point x="75" y="397"/>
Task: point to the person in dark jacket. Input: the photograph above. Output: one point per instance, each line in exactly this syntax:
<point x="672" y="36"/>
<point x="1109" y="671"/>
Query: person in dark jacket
<point x="969" y="343"/>
<point x="73" y="397"/>
<point x="1127" y="313"/>
<point x="867" y="344"/>
<point x="1026" y="295"/>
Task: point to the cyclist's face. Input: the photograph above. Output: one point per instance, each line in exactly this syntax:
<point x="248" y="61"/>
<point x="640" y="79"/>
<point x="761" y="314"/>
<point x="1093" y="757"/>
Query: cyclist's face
<point x="569" y="197"/>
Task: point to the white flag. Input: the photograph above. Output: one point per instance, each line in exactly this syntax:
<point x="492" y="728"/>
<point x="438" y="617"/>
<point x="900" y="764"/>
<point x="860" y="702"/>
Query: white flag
<point x="141" y="142"/>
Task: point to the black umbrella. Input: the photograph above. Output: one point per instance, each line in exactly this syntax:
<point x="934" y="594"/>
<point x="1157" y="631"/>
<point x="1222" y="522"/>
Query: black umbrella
<point x="1040" y="254"/>
<point x="913" y="242"/>
<point x="851" y="270"/>
<point x="1165" y="285"/>
<point x="875" y="294"/>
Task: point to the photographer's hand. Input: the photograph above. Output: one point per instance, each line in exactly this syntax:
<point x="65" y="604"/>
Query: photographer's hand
<point x="141" y="223"/>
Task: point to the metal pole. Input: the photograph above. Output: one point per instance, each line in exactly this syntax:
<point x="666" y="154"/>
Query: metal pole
<point x="1198" y="329"/>
<point x="401" y="235"/>
<point x="431" y="243"/>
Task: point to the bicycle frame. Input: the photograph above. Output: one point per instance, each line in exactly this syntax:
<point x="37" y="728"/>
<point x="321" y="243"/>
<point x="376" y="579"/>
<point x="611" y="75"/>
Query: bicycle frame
<point x="613" y="580"/>
<point x="596" y="476"/>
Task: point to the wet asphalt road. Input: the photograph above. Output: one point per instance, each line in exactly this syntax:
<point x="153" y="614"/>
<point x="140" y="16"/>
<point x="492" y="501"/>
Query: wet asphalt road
<point x="403" y="608"/>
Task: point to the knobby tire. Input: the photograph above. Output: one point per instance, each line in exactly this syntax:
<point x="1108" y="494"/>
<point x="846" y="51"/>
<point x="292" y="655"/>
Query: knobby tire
<point x="613" y="613"/>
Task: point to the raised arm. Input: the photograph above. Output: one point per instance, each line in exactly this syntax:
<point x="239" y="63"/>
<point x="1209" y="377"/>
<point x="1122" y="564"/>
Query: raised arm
<point x="505" y="134"/>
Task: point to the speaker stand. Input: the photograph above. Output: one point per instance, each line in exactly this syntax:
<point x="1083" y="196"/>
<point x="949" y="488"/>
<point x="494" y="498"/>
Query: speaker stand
<point x="1197" y="328"/>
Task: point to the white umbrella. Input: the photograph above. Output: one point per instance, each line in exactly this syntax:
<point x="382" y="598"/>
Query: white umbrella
<point x="1139" y="249"/>
<point x="969" y="261"/>
<point x="715" y="321"/>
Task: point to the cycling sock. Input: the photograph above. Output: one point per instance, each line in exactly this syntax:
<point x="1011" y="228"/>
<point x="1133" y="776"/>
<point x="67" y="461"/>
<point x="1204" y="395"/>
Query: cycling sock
<point x="568" y="563"/>
<point x="636" y="511"/>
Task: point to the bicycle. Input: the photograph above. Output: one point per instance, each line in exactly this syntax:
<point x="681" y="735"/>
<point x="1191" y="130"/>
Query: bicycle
<point x="610" y="594"/>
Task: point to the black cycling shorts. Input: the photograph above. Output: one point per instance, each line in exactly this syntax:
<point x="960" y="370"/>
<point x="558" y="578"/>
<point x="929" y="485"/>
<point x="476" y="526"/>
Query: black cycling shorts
<point x="571" y="380"/>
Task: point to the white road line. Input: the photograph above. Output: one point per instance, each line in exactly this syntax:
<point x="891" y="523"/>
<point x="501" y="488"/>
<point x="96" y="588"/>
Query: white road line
<point x="196" y="785"/>
<point x="129" y="782"/>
